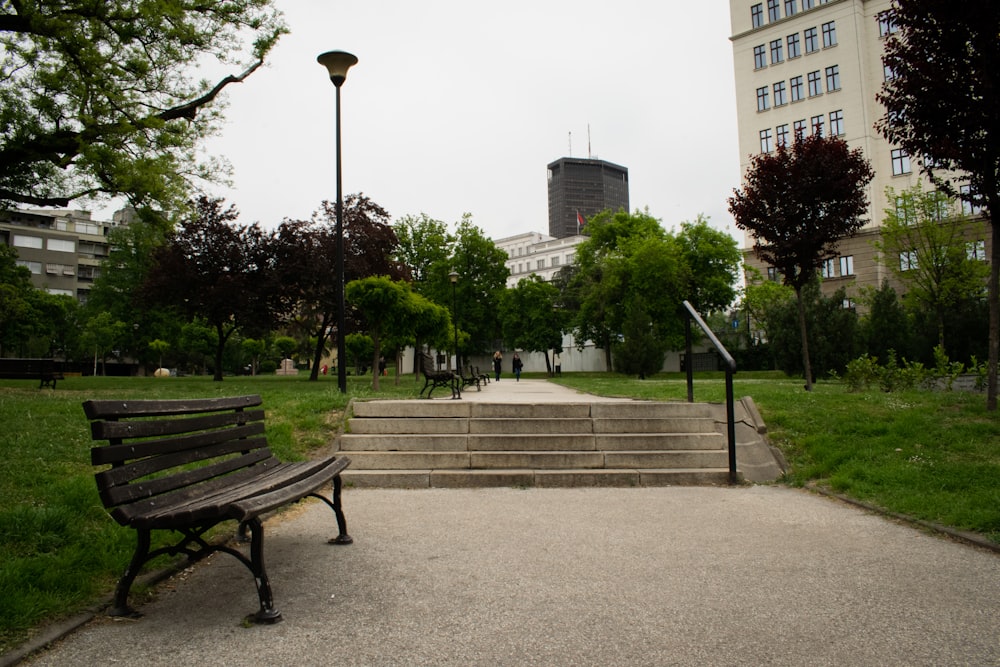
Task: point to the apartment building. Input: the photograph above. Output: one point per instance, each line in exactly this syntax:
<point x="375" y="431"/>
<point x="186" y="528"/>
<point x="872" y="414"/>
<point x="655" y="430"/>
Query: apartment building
<point x="63" y="249"/>
<point x="805" y="67"/>
<point x="536" y="253"/>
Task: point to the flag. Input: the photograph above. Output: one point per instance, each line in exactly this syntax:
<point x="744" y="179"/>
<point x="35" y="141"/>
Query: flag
<point x="580" y="222"/>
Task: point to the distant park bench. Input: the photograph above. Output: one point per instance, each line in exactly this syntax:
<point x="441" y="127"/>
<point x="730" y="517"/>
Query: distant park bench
<point x="43" y="370"/>
<point x="188" y="465"/>
<point x="434" y="378"/>
<point x="468" y="379"/>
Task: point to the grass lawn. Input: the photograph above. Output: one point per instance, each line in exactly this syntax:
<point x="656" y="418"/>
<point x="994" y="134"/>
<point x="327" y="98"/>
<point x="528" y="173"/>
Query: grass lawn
<point x="935" y="456"/>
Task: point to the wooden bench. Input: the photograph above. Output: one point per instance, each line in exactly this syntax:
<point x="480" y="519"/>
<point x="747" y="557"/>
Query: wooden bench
<point x="188" y="465"/>
<point x="43" y="370"/>
<point x="469" y="380"/>
<point x="434" y="378"/>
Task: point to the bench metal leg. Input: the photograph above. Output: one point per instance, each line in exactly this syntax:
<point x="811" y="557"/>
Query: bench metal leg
<point x="267" y="613"/>
<point x="335" y="504"/>
<point x="139" y="557"/>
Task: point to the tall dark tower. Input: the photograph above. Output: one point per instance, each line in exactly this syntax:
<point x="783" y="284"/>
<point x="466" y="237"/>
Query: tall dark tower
<point x="585" y="186"/>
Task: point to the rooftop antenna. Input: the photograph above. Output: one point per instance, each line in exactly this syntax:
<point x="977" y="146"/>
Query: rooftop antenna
<point x="571" y="144"/>
<point x="590" y="156"/>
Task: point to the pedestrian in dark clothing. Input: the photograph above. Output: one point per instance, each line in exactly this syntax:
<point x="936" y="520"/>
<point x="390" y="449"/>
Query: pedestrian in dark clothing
<point x="497" y="362"/>
<point x="517" y="367"/>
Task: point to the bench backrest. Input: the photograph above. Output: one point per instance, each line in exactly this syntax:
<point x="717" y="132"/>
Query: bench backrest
<point x="427" y="365"/>
<point x="157" y="447"/>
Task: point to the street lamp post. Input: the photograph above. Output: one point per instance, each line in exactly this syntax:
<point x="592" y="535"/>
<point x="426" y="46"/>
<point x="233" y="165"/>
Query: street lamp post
<point x="337" y="63"/>
<point x="453" y="277"/>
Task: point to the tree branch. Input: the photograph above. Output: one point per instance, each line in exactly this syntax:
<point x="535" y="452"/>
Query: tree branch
<point x="190" y="109"/>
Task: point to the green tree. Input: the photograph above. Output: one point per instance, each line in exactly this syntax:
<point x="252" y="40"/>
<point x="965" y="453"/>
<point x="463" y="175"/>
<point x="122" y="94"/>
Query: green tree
<point x="482" y="279"/>
<point x="941" y="107"/>
<point x="798" y="203"/>
<point x="924" y="244"/>
<point x="159" y="347"/>
<point x="15" y="299"/>
<point x="99" y="98"/>
<point x="383" y="304"/>
<point x="886" y="326"/>
<point x="530" y="319"/>
<point x="630" y="269"/>
<point x="712" y="259"/>
<point x="102" y="333"/>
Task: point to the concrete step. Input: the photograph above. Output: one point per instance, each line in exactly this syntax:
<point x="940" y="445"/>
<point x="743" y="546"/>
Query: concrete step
<point x="423" y="479"/>
<point x="420" y="444"/>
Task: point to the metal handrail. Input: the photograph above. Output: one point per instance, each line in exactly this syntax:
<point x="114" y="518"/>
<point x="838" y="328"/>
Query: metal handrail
<point x="730" y="365"/>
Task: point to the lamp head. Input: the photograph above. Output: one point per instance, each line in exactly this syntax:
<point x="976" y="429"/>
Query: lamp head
<point x="337" y="63"/>
<point x="453" y="276"/>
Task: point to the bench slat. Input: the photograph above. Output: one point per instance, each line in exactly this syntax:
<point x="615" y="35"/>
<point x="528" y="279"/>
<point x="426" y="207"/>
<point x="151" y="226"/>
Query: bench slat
<point x="115" y="409"/>
<point x="141" y="468"/>
<point x="128" y="493"/>
<point x="115" y="430"/>
<point x="119" y="454"/>
<point x="246" y="497"/>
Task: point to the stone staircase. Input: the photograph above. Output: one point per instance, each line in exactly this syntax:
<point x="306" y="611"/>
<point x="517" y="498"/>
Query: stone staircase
<point x="421" y="444"/>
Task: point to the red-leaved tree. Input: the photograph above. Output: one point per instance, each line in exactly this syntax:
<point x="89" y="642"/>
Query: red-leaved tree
<point x="798" y="203"/>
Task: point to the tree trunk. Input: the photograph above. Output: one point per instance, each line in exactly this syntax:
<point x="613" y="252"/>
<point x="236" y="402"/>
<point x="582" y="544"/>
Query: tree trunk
<point x="805" y="338"/>
<point x="219" y="348"/>
<point x="994" y="301"/>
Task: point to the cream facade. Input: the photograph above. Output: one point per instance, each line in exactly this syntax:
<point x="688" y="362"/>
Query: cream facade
<point x="815" y="66"/>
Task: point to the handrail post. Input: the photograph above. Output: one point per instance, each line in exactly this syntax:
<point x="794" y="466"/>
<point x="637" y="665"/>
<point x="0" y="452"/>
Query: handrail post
<point x="730" y="364"/>
<point x="688" y="365"/>
<point x="731" y="425"/>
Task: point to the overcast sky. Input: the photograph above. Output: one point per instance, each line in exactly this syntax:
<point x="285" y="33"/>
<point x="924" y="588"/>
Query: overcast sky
<point x="458" y="106"/>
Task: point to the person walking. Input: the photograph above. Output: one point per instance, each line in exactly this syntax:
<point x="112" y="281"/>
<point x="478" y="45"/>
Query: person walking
<point x="497" y="363"/>
<point x="517" y="367"/>
<point x="557" y="362"/>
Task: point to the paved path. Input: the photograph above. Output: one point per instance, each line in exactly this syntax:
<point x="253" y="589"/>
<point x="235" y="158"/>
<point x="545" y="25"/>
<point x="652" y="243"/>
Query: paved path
<point x="509" y="390"/>
<point x="639" y="576"/>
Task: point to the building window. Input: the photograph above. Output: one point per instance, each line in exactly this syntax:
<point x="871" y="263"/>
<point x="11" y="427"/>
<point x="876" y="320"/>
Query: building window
<point x="886" y="24"/>
<point x="780" y="98"/>
<point x="34" y="267"/>
<point x="759" y="57"/>
<point x="808" y="4"/>
<point x="811" y="39"/>
<point x="829" y="268"/>
<point x="773" y="11"/>
<point x="772" y="274"/>
<point x="541" y="264"/>
<point x="976" y="250"/>
<point x="900" y="162"/>
<point x="815" y="84"/>
<point x="847" y="265"/>
<point x="790" y="7"/>
<point x="829" y="34"/>
<point x="555" y="261"/>
<point x="799" y="129"/>
<point x="833" y="78"/>
<point x="61" y="245"/>
<point x="837" y="123"/>
<point x="794" y="50"/>
<point x="781" y="134"/>
<point x="887" y="73"/>
<point x="763" y="103"/>
<point x="816" y="123"/>
<point x="908" y="260"/>
<point x="766" y="141"/>
<point x="777" y="55"/>
<point x="795" y="84"/>
<point x="757" y="15"/>
<point x="25" y="241"/>
<point x="968" y="207"/>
